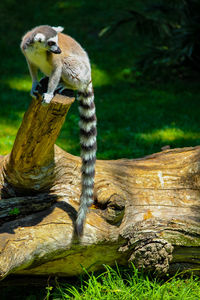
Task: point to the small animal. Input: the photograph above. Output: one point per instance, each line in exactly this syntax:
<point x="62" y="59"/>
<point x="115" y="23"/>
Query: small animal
<point x="67" y="65"/>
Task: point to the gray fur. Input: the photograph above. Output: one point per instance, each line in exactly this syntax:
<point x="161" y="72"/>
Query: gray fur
<point x="48" y="31"/>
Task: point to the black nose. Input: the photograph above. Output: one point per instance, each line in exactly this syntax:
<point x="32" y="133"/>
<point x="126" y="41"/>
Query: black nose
<point x="56" y="51"/>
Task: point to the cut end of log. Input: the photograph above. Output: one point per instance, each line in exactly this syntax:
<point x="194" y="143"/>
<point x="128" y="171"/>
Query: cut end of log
<point x="61" y="99"/>
<point x="153" y="255"/>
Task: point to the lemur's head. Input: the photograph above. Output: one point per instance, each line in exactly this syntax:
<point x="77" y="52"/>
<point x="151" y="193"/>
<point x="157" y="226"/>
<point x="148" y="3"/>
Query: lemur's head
<point x="47" y="37"/>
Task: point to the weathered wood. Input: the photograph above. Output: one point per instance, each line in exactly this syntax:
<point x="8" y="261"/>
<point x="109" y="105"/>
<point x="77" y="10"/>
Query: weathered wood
<point x="31" y="162"/>
<point x="146" y="211"/>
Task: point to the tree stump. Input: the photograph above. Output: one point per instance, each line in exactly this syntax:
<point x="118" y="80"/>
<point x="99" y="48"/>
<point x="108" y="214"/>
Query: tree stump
<point x="146" y="211"/>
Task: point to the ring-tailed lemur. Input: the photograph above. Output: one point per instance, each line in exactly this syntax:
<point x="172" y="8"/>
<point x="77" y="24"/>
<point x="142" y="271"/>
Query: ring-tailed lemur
<point x="65" y="62"/>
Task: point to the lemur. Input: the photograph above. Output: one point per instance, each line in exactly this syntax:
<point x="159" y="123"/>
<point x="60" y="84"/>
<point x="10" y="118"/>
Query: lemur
<point x="66" y="64"/>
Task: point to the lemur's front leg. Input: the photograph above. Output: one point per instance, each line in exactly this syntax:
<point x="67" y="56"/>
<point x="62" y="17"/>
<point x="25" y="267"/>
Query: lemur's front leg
<point x="33" y="72"/>
<point x="54" y="80"/>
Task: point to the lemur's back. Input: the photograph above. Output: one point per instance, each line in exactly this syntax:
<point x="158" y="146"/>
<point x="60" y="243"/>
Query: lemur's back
<point x="70" y="46"/>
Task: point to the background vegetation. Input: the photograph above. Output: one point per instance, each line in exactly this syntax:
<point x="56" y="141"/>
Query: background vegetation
<point x="144" y="57"/>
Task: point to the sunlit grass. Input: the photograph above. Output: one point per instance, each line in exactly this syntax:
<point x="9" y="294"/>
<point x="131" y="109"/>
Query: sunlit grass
<point x="100" y="77"/>
<point x="168" y="135"/>
<point x="6" y="144"/>
<point x="7" y="137"/>
<point x="19" y="84"/>
<point x="127" y="284"/>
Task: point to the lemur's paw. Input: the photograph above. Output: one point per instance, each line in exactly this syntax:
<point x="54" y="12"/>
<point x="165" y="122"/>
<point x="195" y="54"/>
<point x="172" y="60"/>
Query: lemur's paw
<point x="34" y="91"/>
<point x="46" y="99"/>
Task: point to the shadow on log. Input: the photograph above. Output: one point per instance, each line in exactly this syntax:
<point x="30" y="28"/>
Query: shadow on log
<point x="146" y="211"/>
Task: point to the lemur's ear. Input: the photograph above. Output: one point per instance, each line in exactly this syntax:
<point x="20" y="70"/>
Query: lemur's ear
<point x="39" y="37"/>
<point x="58" y="28"/>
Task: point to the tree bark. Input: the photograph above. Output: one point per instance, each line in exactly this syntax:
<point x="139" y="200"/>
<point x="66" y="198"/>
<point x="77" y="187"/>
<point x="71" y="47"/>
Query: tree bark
<point x="146" y="211"/>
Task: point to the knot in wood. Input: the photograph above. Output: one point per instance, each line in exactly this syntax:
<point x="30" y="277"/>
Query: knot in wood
<point x="113" y="210"/>
<point x="152" y="255"/>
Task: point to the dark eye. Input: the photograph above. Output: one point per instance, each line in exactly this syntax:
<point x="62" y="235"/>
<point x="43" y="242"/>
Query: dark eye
<point x="51" y="43"/>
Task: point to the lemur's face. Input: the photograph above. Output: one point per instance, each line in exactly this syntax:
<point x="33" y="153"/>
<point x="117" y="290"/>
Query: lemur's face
<point x="50" y="45"/>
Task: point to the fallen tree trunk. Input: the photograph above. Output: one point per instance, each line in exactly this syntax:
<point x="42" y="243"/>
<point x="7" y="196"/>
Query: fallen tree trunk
<point x="146" y="211"/>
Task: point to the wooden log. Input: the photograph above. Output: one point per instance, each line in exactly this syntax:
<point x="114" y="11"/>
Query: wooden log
<point x="31" y="163"/>
<point x="146" y="211"/>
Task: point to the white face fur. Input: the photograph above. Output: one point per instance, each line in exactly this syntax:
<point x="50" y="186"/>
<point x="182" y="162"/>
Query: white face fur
<point x="40" y="37"/>
<point x="51" y="44"/>
<point x="58" y="28"/>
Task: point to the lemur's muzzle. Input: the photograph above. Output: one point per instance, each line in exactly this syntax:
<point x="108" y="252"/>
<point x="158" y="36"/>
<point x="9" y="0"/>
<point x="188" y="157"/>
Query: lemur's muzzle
<point x="55" y="50"/>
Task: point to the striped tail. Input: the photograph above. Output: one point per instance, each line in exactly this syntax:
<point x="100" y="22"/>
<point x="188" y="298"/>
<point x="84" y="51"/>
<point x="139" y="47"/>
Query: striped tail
<point x="88" y="134"/>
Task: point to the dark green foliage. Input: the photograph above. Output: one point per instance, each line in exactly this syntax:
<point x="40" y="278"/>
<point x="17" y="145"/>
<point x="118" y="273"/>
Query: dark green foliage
<point x="173" y="29"/>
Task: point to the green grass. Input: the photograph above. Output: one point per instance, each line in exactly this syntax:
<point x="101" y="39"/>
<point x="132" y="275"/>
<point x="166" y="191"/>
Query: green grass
<point x="125" y="284"/>
<point x="136" y="116"/>
<point x="111" y="284"/>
